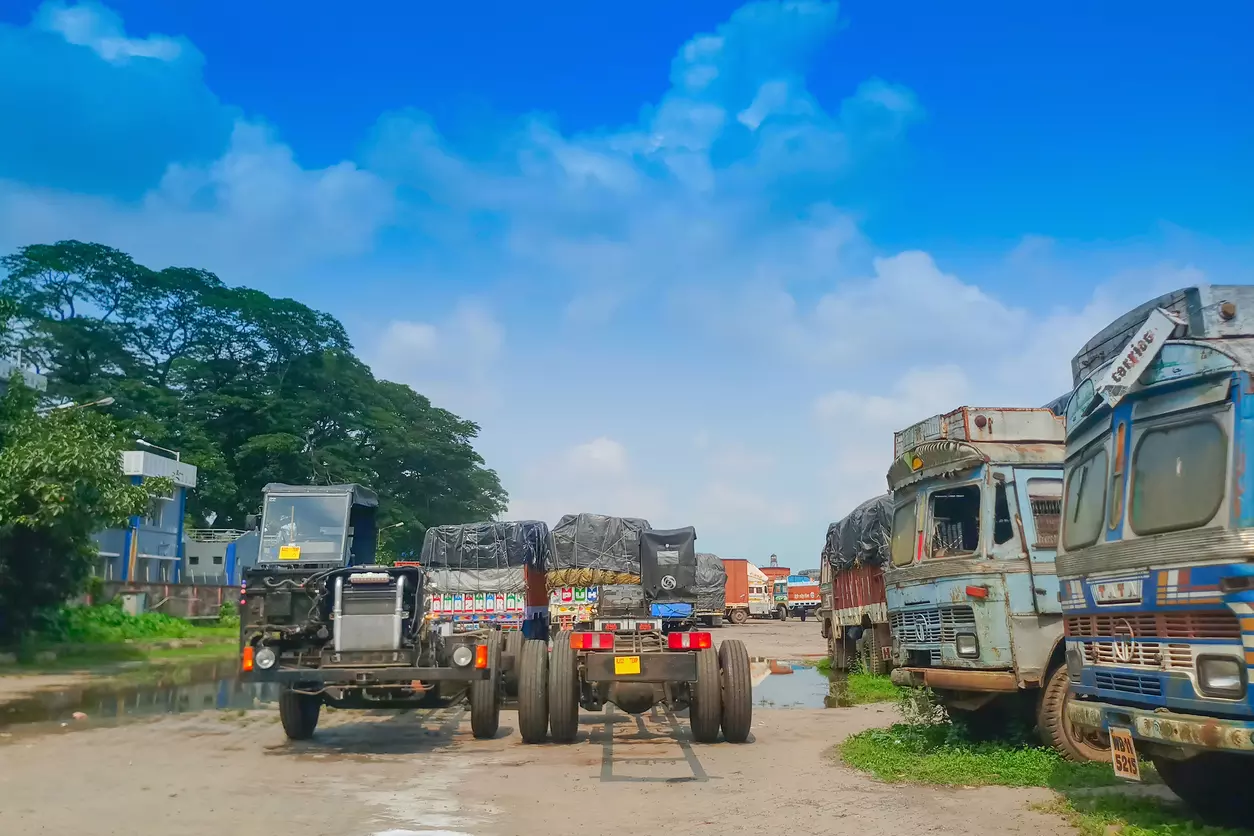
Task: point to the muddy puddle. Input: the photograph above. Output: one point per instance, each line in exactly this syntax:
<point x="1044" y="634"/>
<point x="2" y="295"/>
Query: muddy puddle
<point x="216" y="687"/>
<point x="206" y="687"/>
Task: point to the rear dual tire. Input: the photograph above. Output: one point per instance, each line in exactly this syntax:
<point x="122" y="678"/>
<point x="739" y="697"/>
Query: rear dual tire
<point x="299" y="713"/>
<point x="485" y="698"/>
<point x="533" y="691"/>
<point x="563" y="690"/>
<point x="737" y="691"/>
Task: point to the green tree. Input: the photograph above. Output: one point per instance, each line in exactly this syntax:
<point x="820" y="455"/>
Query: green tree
<point x="60" y="482"/>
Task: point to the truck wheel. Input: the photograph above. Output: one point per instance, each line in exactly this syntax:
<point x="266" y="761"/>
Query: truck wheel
<point x="804" y="613"/>
<point x="533" y="691"/>
<point x="839" y="651"/>
<point x="1056" y="731"/>
<point x="783" y="613"/>
<point x="706" y="712"/>
<point x="1213" y="784"/>
<point x="563" y="690"/>
<point x="739" y="616"/>
<point x="511" y="645"/>
<point x="716" y="621"/>
<point x="299" y="714"/>
<point x="733" y="663"/>
<point x="485" y="697"/>
<point x="874" y="652"/>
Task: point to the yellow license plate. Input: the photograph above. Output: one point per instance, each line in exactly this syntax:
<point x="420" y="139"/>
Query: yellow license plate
<point x="1123" y="754"/>
<point x="626" y="664"/>
<point x="289" y="552"/>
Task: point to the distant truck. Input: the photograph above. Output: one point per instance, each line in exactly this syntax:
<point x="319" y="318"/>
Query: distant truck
<point x="803" y="599"/>
<point x="747" y="592"/>
<point x="854" y="612"/>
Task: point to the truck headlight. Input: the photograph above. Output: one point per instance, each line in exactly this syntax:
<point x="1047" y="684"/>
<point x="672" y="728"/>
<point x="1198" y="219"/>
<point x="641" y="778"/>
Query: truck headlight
<point x="1220" y="676"/>
<point x="463" y="656"/>
<point x="967" y="645"/>
<point x="265" y="658"/>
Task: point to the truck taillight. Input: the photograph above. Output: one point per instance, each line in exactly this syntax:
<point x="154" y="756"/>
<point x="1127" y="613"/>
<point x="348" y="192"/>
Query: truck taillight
<point x="592" y="641"/>
<point x="690" y="641"/>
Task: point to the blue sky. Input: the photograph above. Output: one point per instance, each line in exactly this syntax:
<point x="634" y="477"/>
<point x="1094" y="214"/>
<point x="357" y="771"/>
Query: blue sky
<point x="689" y="261"/>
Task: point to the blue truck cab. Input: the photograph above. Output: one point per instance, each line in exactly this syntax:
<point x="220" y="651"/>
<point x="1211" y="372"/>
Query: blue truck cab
<point x="972" y="591"/>
<point x="1157" y="556"/>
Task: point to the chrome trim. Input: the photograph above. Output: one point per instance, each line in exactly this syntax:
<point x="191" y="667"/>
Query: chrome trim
<point x="1160" y="551"/>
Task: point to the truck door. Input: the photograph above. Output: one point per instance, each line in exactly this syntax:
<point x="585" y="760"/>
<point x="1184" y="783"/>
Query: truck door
<point x="1039" y="498"/>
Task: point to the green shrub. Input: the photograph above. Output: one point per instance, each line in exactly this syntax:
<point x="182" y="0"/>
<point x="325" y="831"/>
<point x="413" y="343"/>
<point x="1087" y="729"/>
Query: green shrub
<point x="108" y="624"/>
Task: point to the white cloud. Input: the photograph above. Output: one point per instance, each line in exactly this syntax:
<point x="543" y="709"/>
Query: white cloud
<point x="595" y="476"/>
<point x="601" y="457"/>
<point x="100" y="29"/>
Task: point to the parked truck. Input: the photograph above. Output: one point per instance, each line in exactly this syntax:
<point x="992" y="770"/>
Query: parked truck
<point x="972" y="589"/>
<point x="854" y="610"/>
<point x="747" y="594"/>
<point x="319" y="618"/>
<point x="1157" y="555"/>
<point x="801" y="598"/>
<point x="642" y="650"/>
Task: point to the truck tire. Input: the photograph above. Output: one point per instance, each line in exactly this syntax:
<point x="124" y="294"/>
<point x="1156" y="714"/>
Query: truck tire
<point x="511" y="645"/>
<point x="485" y="697"/>
<point x="299" y="713"/>
<point x="533" y="691"/>
<point x="733" y="663"/>
<point x="873" y="653"/>
<point x="839" y="650"/>
<point x="716" y="621"/>
<point x="1056" y="731"/>
<point x="804" y="613"/>
<point x="739" y="616"/>
<point x="563" y="690"/>
<point x="782" y="613"/>
<point x="706" y="712"/>
<point x="1212" y="784"/>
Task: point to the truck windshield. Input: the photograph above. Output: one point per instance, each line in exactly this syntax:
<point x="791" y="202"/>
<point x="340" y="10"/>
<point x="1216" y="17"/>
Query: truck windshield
<point x="316" y="525"/>
<point x="955" y="521"/>
<point x="1178" y="476"/>
<point x="903" y="534"/>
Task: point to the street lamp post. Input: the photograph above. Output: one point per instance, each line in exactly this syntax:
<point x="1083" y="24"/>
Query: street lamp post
<point x="142" y="443"/>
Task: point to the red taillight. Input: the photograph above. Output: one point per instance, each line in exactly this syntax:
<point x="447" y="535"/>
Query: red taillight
<point x="977" y="592"/>
<point x="481" y="656"/>
<point x="645" y="625"/>
<point x="690" y="641"/>
<point x="592" y="641"/>
<point x="610" y="627"/>
<point x="246" y="660"/>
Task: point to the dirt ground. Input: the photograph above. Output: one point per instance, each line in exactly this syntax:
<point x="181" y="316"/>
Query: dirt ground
<point x="422" y="774"/>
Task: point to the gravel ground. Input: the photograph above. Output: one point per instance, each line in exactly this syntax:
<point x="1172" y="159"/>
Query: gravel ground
<point x="422" y="774"/>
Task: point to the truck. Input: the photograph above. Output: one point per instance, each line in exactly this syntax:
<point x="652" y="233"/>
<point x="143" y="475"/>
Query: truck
<point x="1157" y="555"/>
<point x="854" y="609"/>
<point x="711" y="590"/>
<point x="971" y="585"/>
<point x="746" y="594"/>
<point x="801" y="598"/>
<point x="330" y="627"/>
<point x="642" y="650"/>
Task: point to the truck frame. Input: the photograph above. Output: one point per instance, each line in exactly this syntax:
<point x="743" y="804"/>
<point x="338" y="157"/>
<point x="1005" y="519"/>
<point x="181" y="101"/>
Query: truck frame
<point x="637" y="658"/>
<point x="1157" y="552"/>
<point x="320" y="619"/>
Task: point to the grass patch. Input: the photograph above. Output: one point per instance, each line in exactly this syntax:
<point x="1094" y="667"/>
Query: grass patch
<point x="867" y="688"/>
<point x="1090" y="794"/>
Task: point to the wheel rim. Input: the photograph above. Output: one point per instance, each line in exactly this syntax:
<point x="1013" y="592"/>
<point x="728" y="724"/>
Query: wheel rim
<point x="1081" y="738"/>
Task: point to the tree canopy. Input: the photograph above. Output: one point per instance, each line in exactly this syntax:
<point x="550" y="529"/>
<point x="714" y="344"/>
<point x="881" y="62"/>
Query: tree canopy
<point x="249" y="388"/>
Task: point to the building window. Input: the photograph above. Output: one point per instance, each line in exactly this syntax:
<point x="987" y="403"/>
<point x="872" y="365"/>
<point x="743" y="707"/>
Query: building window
<point x="1085" y="500"/>
<point x="193" y="560"/>
<point x="217" y="560"/>
<point x="1178" y="476"/>
<point x="955" y="521"/>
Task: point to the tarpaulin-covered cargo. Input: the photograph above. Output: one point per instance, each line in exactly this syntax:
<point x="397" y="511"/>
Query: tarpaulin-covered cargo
<point x="711" y="583"/>
<point x="668" y="564"/>
<point x="485" y="557"/>
<point x="592" y="549"/>
<point x="861" y="538"/>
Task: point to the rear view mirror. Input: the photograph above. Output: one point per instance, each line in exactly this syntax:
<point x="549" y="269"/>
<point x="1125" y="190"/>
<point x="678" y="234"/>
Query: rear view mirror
<point x="252" y="522"/>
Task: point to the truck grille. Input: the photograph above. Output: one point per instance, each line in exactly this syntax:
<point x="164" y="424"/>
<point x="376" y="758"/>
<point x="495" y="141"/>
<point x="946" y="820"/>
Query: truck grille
<point x="928" y="626"/>
<point x="1139" y="655"/>
<point x="1130" y="683"/>
<point x="1205" y="624"/>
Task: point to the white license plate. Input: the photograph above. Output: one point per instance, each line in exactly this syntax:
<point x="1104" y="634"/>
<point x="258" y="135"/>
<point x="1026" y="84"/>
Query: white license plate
<point x="1123" y="754"/>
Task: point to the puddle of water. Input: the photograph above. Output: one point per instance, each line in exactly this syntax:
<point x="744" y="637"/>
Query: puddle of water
<point x="780" y="683"/>
<point x="207" y="687"/>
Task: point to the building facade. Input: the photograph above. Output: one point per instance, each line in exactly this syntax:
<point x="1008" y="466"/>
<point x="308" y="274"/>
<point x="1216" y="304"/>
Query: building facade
<point x="150" y="549"/>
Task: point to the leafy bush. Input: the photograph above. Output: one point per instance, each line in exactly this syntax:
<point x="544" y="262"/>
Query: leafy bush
<point x="108" y="624"/>
<point x="228" y="615"/>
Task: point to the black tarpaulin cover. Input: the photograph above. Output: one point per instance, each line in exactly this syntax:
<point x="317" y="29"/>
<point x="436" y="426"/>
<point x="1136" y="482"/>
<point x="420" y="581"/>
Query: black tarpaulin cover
<point x="491" y="545"/>
<point x="591" y="549"/>
<point x="668" y="565"/>
<point x="711" y="583"/>
<point x="861" y="538"/>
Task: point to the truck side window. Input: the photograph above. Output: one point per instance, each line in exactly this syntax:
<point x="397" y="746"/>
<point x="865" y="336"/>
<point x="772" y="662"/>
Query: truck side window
<point x="955" y="521"/>
<point x="903" y="534"/>
<point x="1003" y="525"/>
<point x="1084" y="505"/>
<point x="1045" y="499"/>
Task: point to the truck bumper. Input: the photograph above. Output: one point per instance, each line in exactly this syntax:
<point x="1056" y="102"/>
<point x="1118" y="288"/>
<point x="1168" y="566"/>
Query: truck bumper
<point x="949" y="679"/>
<point x="370" y="676"/>
<point x="1166" y="728"/>
<point x="664" y="666"/>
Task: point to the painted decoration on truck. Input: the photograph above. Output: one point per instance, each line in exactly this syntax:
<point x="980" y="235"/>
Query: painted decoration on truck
<point x="1175" y="587"/>
<point x="477" y="603"/>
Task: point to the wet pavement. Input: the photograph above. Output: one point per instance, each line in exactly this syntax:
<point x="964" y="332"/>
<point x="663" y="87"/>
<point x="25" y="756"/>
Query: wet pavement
<point x="216" y="687"/>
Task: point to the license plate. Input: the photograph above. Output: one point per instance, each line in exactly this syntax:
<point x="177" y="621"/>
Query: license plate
<point x="626" y="664"/>
<point x="1123" y="754"/>
<point x="289" y="552"/>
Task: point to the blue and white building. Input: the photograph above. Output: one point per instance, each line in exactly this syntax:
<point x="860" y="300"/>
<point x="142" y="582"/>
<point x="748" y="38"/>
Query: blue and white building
<point x="150" y="548"/>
